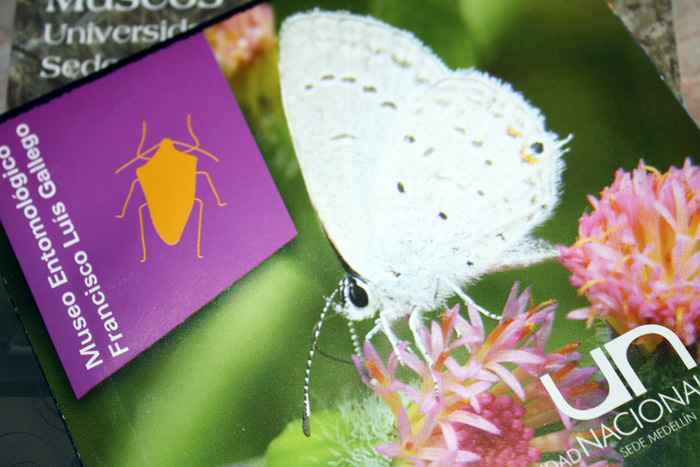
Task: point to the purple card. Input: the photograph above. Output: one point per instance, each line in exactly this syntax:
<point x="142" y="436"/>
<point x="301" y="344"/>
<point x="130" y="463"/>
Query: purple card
<point x="133" y="201"/>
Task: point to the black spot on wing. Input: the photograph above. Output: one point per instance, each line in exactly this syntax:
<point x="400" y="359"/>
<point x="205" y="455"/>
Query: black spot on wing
<point x="343" y="136"/>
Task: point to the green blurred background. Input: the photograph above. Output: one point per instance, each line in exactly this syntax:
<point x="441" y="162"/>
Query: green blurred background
<point x="221" y="386"/>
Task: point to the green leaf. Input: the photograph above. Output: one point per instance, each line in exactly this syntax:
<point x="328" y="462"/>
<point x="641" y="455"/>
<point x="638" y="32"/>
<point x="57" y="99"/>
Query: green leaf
<point x="344" y="437"/>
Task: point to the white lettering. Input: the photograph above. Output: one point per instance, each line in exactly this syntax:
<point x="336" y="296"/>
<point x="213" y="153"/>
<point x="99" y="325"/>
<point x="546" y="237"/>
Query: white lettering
<point x="617" y="392"/>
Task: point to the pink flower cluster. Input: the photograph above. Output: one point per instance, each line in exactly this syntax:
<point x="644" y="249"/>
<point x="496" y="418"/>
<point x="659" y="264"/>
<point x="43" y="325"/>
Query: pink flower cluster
<point x="483" y="410"/>
<point x="237" y="40"/>
<point x="637" y="256"/>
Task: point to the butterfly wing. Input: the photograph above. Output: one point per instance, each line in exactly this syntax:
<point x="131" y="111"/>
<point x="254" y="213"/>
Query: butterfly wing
<point x="415" y="171"/>
<point x="347" y="82"/>
<point x="473" y="172"/>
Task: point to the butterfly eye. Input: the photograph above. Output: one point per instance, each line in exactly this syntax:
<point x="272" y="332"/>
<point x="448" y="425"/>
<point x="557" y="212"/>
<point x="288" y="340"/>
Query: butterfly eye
<point x="356" y="294"/>
<point x="537" y="147"/>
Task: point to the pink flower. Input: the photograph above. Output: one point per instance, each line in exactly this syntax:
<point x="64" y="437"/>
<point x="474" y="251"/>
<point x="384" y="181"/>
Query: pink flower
<point x="637" y="256"/>
<point x="237" y="40"/>
<point x="488" y="401"/>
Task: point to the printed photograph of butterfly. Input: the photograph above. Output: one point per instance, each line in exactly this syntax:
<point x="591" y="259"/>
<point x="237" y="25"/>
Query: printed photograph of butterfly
<point x="423" y="178"/>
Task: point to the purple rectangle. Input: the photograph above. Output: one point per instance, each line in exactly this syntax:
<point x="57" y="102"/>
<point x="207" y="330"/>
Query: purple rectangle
<point x="163" y="141"/>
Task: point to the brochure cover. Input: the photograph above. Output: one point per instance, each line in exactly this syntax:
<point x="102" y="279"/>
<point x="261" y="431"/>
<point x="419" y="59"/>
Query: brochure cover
<point x="58" y="41"/>
<point x="495" y="259"/>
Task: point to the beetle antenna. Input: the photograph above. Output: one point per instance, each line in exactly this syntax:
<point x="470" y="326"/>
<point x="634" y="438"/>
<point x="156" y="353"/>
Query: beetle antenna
<point x="143" y="137"/>
<point x="306" y="415"/>
<point x="196" y="141"/>
<point x="139" y="154"/>
<point x="189" y="125"/>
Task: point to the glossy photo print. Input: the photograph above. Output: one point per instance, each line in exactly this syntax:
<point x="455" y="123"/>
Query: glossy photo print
<point x="466" y="234"/>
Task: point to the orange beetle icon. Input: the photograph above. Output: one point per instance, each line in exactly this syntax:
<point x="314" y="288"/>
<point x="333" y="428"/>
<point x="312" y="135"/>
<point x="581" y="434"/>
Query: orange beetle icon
<point x="168" y="180"/>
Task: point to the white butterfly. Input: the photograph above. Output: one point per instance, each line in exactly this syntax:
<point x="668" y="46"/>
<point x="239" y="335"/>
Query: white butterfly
<point x="423" y="178"/>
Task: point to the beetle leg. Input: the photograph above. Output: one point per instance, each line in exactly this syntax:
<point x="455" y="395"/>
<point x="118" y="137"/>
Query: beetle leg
<point x="199" y="225"/>
<point x="211" y="184"/>
<point x="128" y="197"/>
<point x="191" y="148"/>
<point x="143" y="238"/>
<point x="134" y="159"/>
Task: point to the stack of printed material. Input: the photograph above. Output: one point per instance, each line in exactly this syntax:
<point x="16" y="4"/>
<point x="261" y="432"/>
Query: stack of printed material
<point x="488" y="216"/>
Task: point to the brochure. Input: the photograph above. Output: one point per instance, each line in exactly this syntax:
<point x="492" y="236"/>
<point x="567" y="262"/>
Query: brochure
<point x="55" y="42"/>
<point x="449" y="233"/>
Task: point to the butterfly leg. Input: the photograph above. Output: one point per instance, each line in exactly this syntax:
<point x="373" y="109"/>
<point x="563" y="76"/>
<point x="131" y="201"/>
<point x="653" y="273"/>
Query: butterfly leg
<point x="384" y="324"/>
<point x="415" y="323"/>
<point x="469" y="301"/>
<point x="377" y="327"/>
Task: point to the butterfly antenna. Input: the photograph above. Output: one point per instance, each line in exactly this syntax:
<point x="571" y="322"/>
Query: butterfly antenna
<point x="355" y="341"/>
<point x="306" y="415"/>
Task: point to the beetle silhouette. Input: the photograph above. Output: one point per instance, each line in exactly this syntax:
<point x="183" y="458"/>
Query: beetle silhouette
<point x="168" y="180"/>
